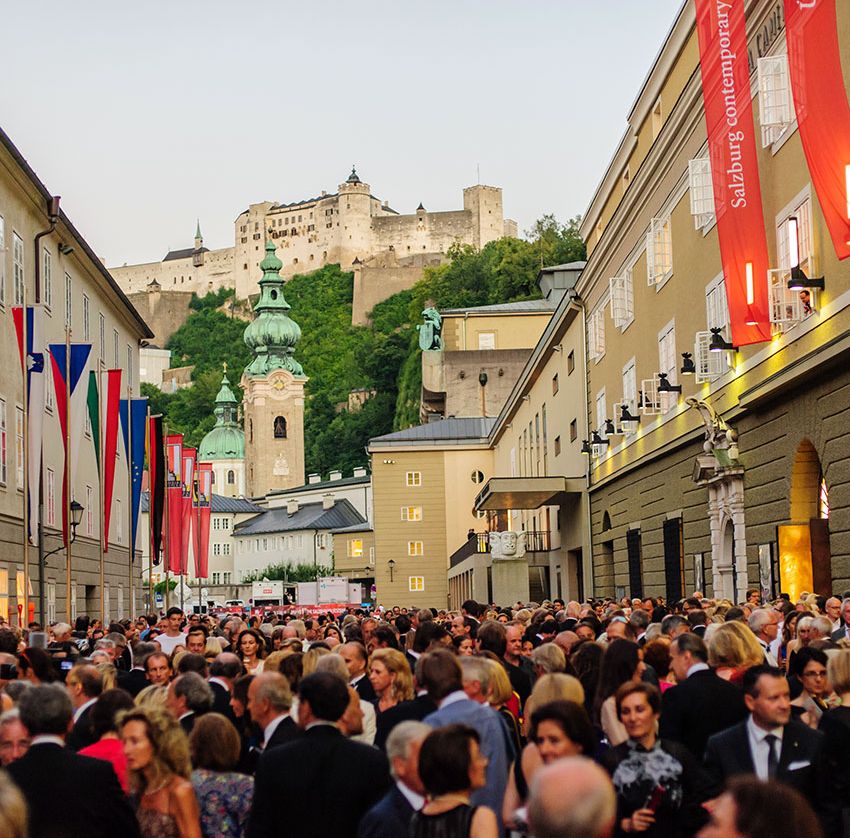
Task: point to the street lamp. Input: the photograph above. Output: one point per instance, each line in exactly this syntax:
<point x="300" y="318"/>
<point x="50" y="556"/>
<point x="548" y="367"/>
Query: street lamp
<point x="391" y="566"/>
<point x="76" y="516"/>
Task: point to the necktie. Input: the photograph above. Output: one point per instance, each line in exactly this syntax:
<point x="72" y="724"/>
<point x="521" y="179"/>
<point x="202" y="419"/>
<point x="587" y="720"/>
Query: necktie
<point x="772" y="756"/>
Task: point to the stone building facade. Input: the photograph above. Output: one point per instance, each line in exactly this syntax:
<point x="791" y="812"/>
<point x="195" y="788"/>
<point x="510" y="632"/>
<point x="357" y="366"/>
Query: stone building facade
<point x="346" y="227"/>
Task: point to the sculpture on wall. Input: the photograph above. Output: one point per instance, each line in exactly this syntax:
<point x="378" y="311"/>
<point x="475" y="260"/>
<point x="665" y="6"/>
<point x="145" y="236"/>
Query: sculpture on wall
<point x="430" y="332"/>
<point x="721" y="440"/>
<point x="507" y="545"/>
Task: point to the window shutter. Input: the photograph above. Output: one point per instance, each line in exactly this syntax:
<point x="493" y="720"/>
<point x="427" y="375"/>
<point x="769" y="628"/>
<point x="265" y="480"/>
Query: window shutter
<point x="618" y="302"/>
<point x="786" y="308"/>
<point x="674" y="570"/>
<point x="775" y="108"/>
<point x="701" y="190"/>
<point x="633" y="550"/>
<point x="659" y="250"/>
<point x="710" y="365"/>
<point x="650" y="402"/>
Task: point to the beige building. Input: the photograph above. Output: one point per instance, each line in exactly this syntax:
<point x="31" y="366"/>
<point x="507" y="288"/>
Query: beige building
<point x="346" y="227"/>
<point x="78" y="292"/>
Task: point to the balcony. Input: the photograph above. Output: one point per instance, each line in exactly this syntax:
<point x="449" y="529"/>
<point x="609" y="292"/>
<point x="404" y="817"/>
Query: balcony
<point x="536" y="541"/>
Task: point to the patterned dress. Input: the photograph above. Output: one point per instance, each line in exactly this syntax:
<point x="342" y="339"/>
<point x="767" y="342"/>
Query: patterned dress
<point x="225" y="799"/>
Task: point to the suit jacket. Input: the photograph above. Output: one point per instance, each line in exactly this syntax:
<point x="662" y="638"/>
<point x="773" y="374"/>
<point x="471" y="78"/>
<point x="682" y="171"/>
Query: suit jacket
<point x="81" y="735"/>
<point x="221" y="701"/>
<point x="699" y="707"/>
<point x="285" y="732"/>
<point x="365" y="689"/>
<point x="728" y="753"/>
<point x="187" y="723"/>
<point x="319" y="784"/>
<point x="839" y="634"/>
<point x="388" y="818"/>
<point x="69" y="795"/>
<point x="414" y="710"/>
<point x="133" y="681"/>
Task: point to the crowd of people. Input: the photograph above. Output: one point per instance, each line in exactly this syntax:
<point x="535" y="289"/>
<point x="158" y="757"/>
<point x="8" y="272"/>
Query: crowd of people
<point x="699" y="717"/>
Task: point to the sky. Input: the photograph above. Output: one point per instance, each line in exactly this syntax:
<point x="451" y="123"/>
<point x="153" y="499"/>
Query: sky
<point x="147" y="116"/>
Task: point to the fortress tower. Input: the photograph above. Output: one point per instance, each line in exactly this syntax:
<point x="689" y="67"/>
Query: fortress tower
<point x="273" y="386"/>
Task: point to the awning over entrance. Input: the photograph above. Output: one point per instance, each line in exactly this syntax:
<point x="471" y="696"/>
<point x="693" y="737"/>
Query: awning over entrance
<point x="527" y="492"/>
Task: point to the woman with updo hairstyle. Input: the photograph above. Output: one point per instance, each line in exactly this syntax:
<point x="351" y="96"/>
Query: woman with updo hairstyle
<point x="157" y="754"/>
<point x="390" y="676"/>
<point x="732" y="650"/>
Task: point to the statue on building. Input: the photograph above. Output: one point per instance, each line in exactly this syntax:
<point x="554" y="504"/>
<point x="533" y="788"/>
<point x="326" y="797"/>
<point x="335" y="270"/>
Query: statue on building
<point x="507" y="545"/>
<point x="430" y="332"/>
<point x="721" y="440"/>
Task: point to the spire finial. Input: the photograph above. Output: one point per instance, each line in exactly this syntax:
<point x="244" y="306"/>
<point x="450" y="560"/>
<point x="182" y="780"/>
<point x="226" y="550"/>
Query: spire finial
<point x="224" y="367"/>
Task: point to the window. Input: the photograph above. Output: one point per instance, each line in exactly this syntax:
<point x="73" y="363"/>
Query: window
<point x="415" y="583"/>
<point x="68" y="300"/>
<point x="47" y="277"/>
<point x="601" y="411"/>
<point x="667" y="363"/>
<point x="711" y="365"/>
<point x="558" y="438"/>
<point x="216" y="549"/>
<point x="659" y="251"/>
<point x="216" y="578"/>
<point x="231" y="477"/>
<point x="411" y="513"/>
<point x="4" y="594"/>
<point x="701" y="190"/>
<point x="573" y="434"/>
<point x="596" y="334"/>
<point x="571" y="362"/>
<point x="51" y="600"/>
<point x="794" y="248"/>
<point x="86" y="318"/>
<point x="775" y="108"/>
<point x="116" y="354"/>
<point x="629" y="379"/>
<point x="415" y="548"/>
<point x="279" y="427"/>
<point x="355" y="548"/>
<point x="225" y="549"/>
<point x="19" y="445"/>
<point x="486" y="340"/>
<point x="73" y="600"/>
<point x="49" y="392"/>
<point x="2" y="261"/>
<point x="4" y="462"/>
<point x="555" y="386"/>
<point x="50" y="487"/>
<point x="622" y="299"/>
<point x="17" y="269"/>
<point x="129" y="366"/>
<point x="102" y="329"/>
<point x="414" y="478"/>
<point x="477" y="476"/>
<point x="89" y="510"/>
<point x="657" y="119"/>
<point x="227" y="575"/>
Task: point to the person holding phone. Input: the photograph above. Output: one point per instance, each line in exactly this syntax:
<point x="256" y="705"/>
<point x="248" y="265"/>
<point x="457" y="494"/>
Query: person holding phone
<point x="660" y="785"/>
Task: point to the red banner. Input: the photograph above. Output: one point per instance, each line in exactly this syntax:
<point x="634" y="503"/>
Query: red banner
<point x="110" y="400"/>
<point x="174" y="501"/>
<point x="189" y="455"/>
<point x="204" y="506"/>
<point x="722" y="32"/>
<point x="156" y="486"/>
<point x="823" y="113"/>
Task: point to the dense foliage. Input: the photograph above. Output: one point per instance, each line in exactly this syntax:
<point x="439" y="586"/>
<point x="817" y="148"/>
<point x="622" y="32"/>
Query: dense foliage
<point x="337" y="357"/>
<point x="289" y="573"/>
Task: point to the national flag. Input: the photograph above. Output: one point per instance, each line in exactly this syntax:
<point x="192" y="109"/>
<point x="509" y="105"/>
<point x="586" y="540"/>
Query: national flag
<point x="111" y="399"/>
<point x="35" y="401"/>
<point x="174" y="500"/>
<point x="93" y="406"/>
<point x="156" y="486"/>
<point x="133" y="429"/>
<point x="203" y="503"/>
<point x="67" y="373"/>
<point x="189" y="458"/>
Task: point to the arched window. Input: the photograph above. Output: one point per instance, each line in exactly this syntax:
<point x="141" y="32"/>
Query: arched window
<point x="279" y="427"/>
<point x="212" y="478"/>
<point x="231" y="477"/>
<point x="250" y="430"/>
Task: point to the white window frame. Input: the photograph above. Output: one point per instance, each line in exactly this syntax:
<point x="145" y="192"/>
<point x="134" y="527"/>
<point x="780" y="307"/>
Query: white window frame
<point x="50" y="496"/>
<point x="415" y="548"/>
<point x="629" y="379"/>
<point x="47" y="277"/>
<point x="18" y="275"/>
<point x="116" y="352"/>
<point x="2" y="262"/>
<point x="19" y="446"/>
<point x="86" y="317"/>
<point x="776" y="108"/>
<point x="659" y="250"/>
<point x="413" y="479"/>
<point x="4" y="450"/>
<point x="415" y="584"/>
<point x="102" y="329"/>
<point x="89" y="510"/>
<point x="701" y="191"/>
<point x="69" y="300"/>
<point x="355" y="552"/>
<point x="411" y="513"/>
<point x="709" y="365"/>
<point x="49" y="393"/>
<point x="667" y="364"/>
<point x="621" y="292"/>
<point x="601" y="412"/>
<point x="596" y="333"/>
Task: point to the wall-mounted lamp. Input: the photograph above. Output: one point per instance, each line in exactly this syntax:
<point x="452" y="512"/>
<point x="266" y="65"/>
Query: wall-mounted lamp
<point x="585" y="447"/>
<point x="610" y="430"/>
<point x="65" y="249"/>
<point x="558" y="347"/>
<point x="688" y="366"/>
<point x="798" y="280"/>
<point x="595" y="439"/>
<point x="482" y="378"/>
<point x="389" y="462"/>
<point x="391" y="566"/>
<point x="718" y="344"/>
<point x="626" y="416"/>
<point x="526" y="397"/>
<point x="664" y="386"/>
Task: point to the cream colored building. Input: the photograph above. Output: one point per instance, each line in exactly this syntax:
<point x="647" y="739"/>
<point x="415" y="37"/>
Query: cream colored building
<point x="347" y="225"/>
<point x="76" y="290"/>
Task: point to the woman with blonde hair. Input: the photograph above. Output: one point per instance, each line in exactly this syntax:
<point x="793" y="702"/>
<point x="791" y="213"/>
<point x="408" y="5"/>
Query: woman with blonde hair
<point x="556" y="686"/>
<point x="311" y="658"/>
<point x="13" y="809"/>
<point x="157" y="754"/>
<point x="732" y="650"/>
<point x="390" y="676"/>
<point x="152" y="696"/>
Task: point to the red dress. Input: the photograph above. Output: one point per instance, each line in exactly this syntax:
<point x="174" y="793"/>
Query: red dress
<point x="112" y="751"/>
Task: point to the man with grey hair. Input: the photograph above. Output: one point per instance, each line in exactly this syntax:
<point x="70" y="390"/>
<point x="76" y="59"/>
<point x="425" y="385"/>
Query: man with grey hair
<point x="572" y="798"/>
<point x="844" y="631"/>
<point x="821" y="628"/>
<point x="673" y="625"/>
<point x="368" y="723"/>
<point x="764" y="624"/>
<point x="68" y="795"/>
<point x="14" y="737"/>
<point x="224" y="670"/>
<point x="188" y="696"/>
<point x="476" y="678"/>
<point x="390" y="816"/>
<point x="548" y="658"/>
<point x="639" y="620"/>
<point x="832" y="607"/>
<point x="269" y="702"/>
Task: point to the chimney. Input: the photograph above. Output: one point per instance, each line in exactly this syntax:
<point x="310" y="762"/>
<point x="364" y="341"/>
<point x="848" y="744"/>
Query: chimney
<point x="292" y="506"/>
<point x="314" y="478"/>
<point x="327" y="501"/>
<point x="360" y="471"/>
<point x="335" y="475"/>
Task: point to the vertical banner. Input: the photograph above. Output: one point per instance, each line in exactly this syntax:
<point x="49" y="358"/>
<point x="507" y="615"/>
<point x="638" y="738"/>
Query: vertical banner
<point x="156" y="487"/>
<point x="34" y="366"/>
<point x="722" y="33"/>
<point x="204" y="504"/>
<point x="72" y="417"/>
<point x="189" y="456"/>
<point x="111" y="400"/>
<point x="823" y="112"/>
<point x="174" y="499"/>
<point x="133" y="432"/>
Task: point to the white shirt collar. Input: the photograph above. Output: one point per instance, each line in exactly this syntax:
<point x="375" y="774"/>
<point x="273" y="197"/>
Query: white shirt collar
<point x="186" y="715"/>
<point x="759" y="733"/>
<point x="215" y="680"/>
<point x="417" y="801"/>
<point x="451" y="698"/>
<point x="82" y="708"/>
<point x="696" y="667"/>
<point x="271" y="727"/>
<point x="47" y="739"/>
<point x="356" y="679"/>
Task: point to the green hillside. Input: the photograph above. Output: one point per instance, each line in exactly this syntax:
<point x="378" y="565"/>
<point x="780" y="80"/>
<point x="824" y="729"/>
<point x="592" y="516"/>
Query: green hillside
<point x="338" y="357"/>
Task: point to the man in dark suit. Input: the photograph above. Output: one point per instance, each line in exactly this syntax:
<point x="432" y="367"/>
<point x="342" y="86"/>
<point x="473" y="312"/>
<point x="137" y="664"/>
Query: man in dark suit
<point x="84" y="684"/>
<point x="770" y="744"/>
<point x="224" y="671"/>
<point x="322" y="783"/>
<point x="702" y="703"/>
<point x="355" y="656"/>
<point x="390" y="816"/>
<point x="269" y="701"/>
<point x="67" y="795"/>
<point x="844" y="631"/>
<point x="405" y="711"/>
<point x="135" y="680"/>
<point x="188" y="697"/>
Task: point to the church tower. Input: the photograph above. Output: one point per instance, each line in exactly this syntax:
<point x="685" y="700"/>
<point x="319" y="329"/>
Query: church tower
<point x="273" y="387"/>
<point x="224" y="445"/>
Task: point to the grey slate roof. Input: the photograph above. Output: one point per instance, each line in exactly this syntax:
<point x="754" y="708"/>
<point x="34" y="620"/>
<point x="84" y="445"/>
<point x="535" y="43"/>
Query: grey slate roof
<point x="444" y="430"/>
<point x="365" y="527"/>
<point x="185" y="253"/>
<point x="518" y="307"/>
<point x="324" y="484"/>
<point x="310" y="516"/>
<point x="220" y="504"/>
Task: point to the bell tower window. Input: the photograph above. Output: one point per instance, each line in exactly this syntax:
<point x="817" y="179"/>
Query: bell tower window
<point x="279" y="427"/>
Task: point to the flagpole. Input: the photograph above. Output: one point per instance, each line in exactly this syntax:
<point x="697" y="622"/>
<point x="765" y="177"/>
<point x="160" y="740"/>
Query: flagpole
<point x="68" y="487"/>
<point x="130" y="483"/>
<point x="166" y="541"/>
<point x="197" y="544"/>
<point x="101" y="423"/>
<point x="24" y="618"/>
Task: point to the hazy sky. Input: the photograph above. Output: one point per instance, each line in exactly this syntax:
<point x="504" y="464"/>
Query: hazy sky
<point x="145" y="116"/>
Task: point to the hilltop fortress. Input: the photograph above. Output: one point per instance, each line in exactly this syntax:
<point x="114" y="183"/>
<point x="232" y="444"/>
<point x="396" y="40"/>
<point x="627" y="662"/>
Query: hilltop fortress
<point x="351" y="227"/>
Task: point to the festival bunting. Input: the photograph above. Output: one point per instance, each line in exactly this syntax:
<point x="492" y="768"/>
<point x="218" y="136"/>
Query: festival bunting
<point x="189" y="457"/>
<point x="133" y="431"/>
<point x="724" y="67"/>
<point x="174" y="502"/>
<point x="156" y="486"/>
<point x="203" y="502"/>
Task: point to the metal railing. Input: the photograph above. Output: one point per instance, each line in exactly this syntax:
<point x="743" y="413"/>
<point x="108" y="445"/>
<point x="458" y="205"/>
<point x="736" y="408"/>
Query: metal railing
<point x="536" y="541"/>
